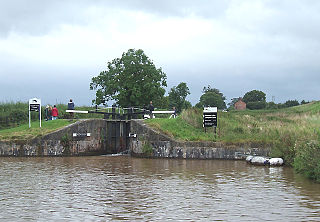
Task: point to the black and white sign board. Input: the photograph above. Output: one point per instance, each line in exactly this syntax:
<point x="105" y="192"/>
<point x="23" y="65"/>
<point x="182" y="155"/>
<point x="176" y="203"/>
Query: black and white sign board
<point x="81" y="135"/>
<point x="210" y="117"/>
<point x="34" y="105"/>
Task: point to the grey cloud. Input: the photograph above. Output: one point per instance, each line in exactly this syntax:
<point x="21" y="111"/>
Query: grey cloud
<point x="281" y="60"/>
<point x="38" y="17"/>
<point x="293" y="19"/>
<point x="203" y="8"/>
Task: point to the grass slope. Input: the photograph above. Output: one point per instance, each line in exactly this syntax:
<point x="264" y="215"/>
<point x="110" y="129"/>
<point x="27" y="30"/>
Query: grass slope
<point x="250" y="126"/>
<point x="23" y="132"/>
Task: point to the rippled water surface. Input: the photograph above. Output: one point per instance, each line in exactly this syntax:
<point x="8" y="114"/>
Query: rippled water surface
<point x="124" y="188"/>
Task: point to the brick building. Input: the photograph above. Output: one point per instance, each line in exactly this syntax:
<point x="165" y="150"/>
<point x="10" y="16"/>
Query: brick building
<point x="240" y="105"/>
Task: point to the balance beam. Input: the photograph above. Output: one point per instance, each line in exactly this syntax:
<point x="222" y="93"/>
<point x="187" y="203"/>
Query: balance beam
<point x="162" y="112"/>
<point x="76" y="111"/>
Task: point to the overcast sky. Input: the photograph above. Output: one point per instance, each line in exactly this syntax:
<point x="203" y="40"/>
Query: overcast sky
<point x="52" y="49"/>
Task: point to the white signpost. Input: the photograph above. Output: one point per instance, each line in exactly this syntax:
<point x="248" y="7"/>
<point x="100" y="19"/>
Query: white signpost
<point x="34" y="105"/>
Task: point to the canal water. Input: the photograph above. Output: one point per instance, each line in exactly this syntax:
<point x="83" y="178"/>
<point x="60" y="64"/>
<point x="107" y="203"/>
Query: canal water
<point x="104" y="188"/>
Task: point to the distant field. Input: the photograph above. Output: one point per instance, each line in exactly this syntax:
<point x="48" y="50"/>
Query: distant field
<point x="23" y="132"/>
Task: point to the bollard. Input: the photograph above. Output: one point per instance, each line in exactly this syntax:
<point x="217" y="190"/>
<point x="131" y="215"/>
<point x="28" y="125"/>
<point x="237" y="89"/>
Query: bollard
<point x="129" y="114"/>
<point x="113" y="111"/>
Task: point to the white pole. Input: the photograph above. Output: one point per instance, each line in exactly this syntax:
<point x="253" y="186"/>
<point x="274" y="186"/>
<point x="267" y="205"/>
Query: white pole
<point x="29" y="117"/>
<point x="40" y="113"/>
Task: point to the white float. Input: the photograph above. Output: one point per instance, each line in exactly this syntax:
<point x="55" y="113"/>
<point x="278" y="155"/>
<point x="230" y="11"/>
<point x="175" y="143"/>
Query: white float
<point x="276" y="162"/>
<point x="267" y="161"/>
<point x="259" y="160"/>
<point x="249" y="158"/>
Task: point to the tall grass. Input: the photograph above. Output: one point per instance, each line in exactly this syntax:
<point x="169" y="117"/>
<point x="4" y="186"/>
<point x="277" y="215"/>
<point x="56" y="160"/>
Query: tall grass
<point x="15" y="114"/>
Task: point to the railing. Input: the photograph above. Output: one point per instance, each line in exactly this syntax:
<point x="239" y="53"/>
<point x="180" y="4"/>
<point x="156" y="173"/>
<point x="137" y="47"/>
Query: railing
<point x="124" y="113"/>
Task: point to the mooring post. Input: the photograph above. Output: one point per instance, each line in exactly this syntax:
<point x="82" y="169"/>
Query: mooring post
<point x="113" y="111"/>
<point x="134" y="116"/>
<point x="129" y="113"/>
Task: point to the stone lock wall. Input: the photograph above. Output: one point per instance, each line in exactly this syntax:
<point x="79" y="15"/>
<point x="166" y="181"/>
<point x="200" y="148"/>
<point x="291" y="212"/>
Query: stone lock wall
<point x="149" y="142"/>
<point x="137" y="136"/>
<point x="62" y="142"/>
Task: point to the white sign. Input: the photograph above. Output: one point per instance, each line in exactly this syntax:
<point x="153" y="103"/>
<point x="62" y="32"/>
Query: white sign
<point x="34" y="105"/>
<point x="210" y="110"/>
<point x="81" y="134"/>
<point x="210" y="116"/>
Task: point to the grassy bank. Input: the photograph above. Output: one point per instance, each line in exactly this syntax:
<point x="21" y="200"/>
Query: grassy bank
<point x="293" y="133"/>
<point x="23" y="132"/>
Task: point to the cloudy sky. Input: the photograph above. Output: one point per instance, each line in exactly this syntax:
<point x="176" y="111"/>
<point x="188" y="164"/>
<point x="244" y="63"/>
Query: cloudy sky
<point x="52" y="49"/>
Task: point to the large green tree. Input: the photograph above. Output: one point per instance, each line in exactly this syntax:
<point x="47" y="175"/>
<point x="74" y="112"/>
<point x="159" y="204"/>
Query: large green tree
<point x="132" y="80"/>
<point x="255" y="99"/>
<point x="254" y="96"/>
<point x="212" y="97"/>
<point x="177" y="97"/>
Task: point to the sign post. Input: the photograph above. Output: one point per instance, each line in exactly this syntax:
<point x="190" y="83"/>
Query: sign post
<point x="34" y="105"/>
<point x="210" y="117"/>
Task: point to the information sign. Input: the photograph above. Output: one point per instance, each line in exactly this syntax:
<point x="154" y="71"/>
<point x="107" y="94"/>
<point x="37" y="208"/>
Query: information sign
<point x="210" y="117"/>
<point x="34" y="105"/>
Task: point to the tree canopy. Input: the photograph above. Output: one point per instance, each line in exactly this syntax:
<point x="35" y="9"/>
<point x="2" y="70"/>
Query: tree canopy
<point x="290" y="103"/>
<point x="177" y="97"/>
<point x="212" y="97"/>
<point x="255" y="99"/>
<point x="132" y="80"/>
<point x="254" y="96"/>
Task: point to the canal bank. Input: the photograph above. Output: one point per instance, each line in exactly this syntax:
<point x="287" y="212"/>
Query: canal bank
<point x="98" y="136"/>
<point x="148" y="142"/>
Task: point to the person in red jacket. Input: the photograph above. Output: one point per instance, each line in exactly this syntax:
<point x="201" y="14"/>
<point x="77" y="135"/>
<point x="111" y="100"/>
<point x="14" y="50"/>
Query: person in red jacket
<point x="55" y="113"/>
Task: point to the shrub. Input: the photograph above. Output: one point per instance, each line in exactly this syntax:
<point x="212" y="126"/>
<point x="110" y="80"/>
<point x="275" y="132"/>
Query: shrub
<point x="256" y="105"/>
<point x="147" y="149"/>
<point x="66" y="143"/>
<point x="307" y="160"/>
<point x="238" y="130"/>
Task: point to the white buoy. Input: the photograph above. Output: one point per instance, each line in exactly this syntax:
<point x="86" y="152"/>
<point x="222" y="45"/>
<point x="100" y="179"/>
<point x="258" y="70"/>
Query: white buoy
<point x="249" y="158"/>
<point x="259" y="160"/>
<point x="276" y="162"/>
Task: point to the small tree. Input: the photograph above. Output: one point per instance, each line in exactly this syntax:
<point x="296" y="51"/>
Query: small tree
<point x="254" y="96"/>
<point x="290" y="103"/>
<point x="256" y="105"/>
<point x="132" y="80"/>
<point x="272" y="105"/>
<point x="177" y="97"/>
<point x="255" y="99"/>
<point x="212" y="97"/>
<point x="162" y="103"/>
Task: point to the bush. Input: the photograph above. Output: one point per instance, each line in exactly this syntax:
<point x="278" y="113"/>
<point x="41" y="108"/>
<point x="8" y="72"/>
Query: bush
<point x="256" y="105"/>
<point x="238" y="130"/>
<point x="307" y="160"/>
<point x="147" y="149"/>
<point x="291" y="103"/>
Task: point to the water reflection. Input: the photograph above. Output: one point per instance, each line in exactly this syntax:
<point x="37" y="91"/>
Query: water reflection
<point x="125" y="188"/>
